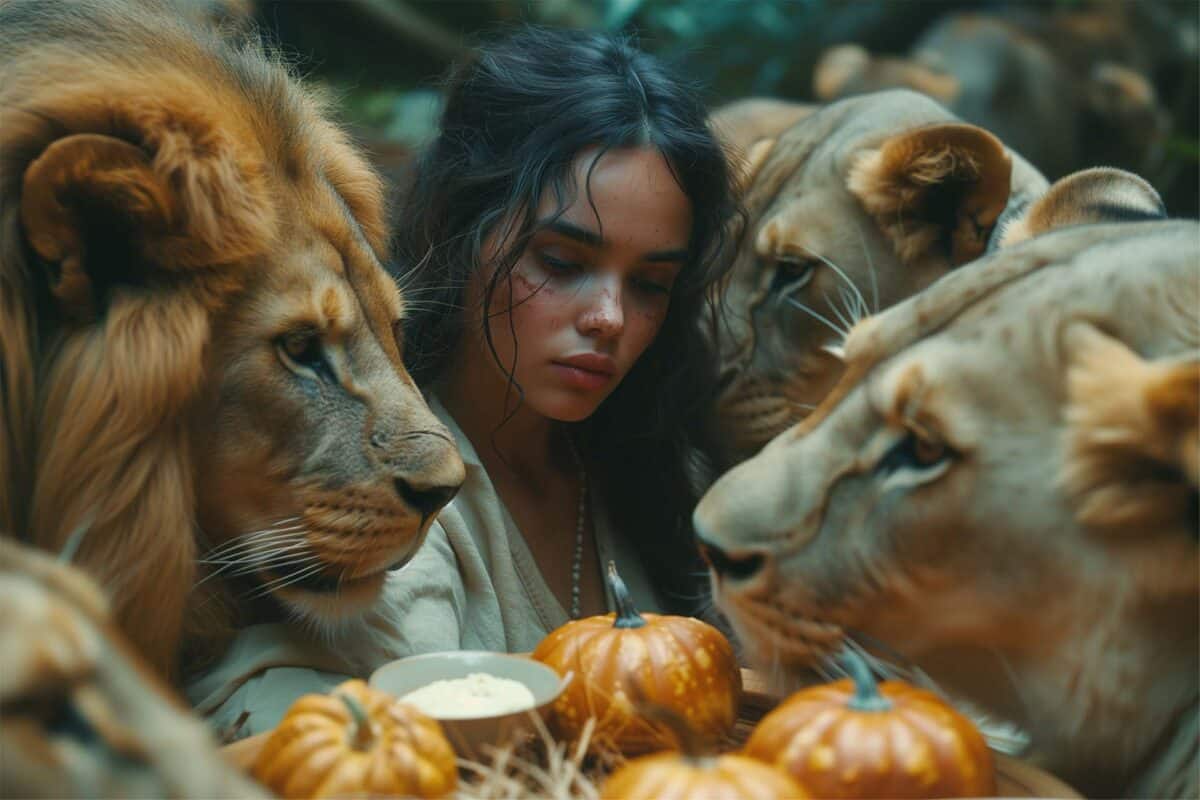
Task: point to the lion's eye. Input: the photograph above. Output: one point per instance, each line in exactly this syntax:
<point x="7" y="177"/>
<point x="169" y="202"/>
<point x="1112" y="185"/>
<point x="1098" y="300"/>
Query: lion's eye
<point x="914" y="452"/>
<point x="304" y="350"/>
<point x="791" y="273"/>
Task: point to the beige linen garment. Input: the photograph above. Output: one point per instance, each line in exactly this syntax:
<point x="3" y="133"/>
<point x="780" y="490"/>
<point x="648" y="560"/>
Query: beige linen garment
<point x="473" y="585"/>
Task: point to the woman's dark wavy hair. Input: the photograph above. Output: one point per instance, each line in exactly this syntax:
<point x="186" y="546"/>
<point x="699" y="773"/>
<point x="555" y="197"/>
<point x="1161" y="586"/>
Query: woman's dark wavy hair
<point x="516" y="117"/>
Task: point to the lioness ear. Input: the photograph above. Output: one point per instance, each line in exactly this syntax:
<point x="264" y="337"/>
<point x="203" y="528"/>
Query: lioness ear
<point x="836" y="68"/>
<point x="942" y="186"/>
<point x="1100" y="194"/>
<point x="1133" y="433"/>
<point x="1116" y="92"/>
<point x="84" y="200"/>
<point x="746" y="167"/>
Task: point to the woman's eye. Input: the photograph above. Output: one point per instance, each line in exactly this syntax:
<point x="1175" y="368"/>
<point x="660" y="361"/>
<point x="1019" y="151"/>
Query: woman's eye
<point x="555" y="264"/>
<point x="652" y="286"/>
<point x="791" y="274"/>
<point x="914" y="452"/>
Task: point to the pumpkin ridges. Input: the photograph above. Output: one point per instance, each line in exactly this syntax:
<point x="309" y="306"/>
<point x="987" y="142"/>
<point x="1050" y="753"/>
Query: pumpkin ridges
<point x="345" y="778"/>
<point x="293" y="755"/>
<point x="658" y="660"/>
<point x="670" y="776"/>
<point x="311" y="753"/>
<point x="305" y="770"/>
<point x="967" y="776"/>
<point x="915" y="745"/>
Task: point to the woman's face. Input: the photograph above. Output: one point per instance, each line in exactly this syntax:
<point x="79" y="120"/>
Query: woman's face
<point x="591" y="289"/>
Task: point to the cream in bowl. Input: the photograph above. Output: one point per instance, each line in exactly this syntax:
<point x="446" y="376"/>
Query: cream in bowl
<point x="480" y="694"/>
<point x="481" y="698"/>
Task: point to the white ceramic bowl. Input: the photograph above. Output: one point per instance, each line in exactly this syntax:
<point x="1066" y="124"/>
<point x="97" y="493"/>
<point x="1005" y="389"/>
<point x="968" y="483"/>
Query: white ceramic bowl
<point x="471" y="736"/>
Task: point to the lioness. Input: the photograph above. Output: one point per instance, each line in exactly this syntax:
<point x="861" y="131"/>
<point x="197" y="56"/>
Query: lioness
<point x="1003" y="488"/>
<point x="849" y="209"/>
<point x="83" y="716"/>
<point x="199" y="356"/>
<point x="1049" y="85"/>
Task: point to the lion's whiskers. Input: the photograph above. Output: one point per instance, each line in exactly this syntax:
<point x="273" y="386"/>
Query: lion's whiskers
<point x="284" y="581"/>
<point x="275" y="547"/>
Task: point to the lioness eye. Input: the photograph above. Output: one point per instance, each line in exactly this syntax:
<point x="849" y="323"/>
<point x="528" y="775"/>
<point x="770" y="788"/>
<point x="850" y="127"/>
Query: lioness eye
<point x="927" y="452"/>
<point x="913" y="452"/>
<point x="792" y="273"/>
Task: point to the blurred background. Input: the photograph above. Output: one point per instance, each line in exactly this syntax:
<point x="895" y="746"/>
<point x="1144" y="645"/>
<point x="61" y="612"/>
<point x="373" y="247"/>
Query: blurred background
<point x="1068" y="83"/>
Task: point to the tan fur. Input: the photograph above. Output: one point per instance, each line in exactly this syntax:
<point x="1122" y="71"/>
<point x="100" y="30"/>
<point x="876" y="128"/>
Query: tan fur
<point x="1002" y="489"/>
<point x="175" y="207"/>
<point x="891" y="190"/>
<point x="61" y="659"/>
<point x="744" y="122"/>
<point x="849" y="69"/>
<point x="1049" y="84"/>
<point x="1099" y="194"/>
<point x="1132" y="432"/>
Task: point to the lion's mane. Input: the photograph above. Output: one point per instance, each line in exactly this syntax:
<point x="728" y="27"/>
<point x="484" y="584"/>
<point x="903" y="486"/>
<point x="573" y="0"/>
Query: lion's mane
<point x="139" y="166"/>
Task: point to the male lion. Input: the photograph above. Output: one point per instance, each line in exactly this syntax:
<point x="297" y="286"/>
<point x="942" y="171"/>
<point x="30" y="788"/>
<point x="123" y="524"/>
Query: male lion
<point x="1003" y="488"/>
<point x="850" y="208"/>
<point x="83" y="716"/>
<point x="199" y="354"/>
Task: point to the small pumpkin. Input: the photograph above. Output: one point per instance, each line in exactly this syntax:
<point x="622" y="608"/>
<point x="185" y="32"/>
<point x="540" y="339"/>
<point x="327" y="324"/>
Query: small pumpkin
<point x="692" y="774"/>
<point x="671" y="776"/>
<point x="854" y="738"/>
<point x="356" y="741"/>
<point x="679" y="663"/>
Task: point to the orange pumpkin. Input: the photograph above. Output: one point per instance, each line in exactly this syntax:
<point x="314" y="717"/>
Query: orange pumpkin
<point x="356" y="741"/>
<point x="853" y="738"/>
<point x="679" y="663"/>
<point x="671" y="776"/>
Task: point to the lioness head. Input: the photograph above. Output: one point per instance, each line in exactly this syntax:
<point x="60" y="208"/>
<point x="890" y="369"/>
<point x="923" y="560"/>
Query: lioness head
<point x="83" y="716"/>
<point x="1003" y="488"/>
<point x="1055" y="87"/>
<point x="849" y="210"/>
<point x="201" y="351"/>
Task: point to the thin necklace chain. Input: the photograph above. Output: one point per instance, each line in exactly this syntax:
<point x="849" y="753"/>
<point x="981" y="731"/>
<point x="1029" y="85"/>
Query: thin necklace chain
<point x="580" y="521"/>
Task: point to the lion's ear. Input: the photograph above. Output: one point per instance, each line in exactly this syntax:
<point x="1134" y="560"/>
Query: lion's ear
<point x="1133" y="433"/>
<point x="942" y="186"/>
<point x="86" y="203"/>
<point x="1099" y="194"/>
<point x="101" y="212"/>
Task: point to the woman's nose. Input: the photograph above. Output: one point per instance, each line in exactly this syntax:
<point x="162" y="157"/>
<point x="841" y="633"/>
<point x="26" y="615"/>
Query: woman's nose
<point x="602" y="314"/>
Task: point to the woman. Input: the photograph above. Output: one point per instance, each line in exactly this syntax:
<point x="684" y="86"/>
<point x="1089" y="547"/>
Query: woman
<point x="557" y="248"/>
<point x="577" y="194"/>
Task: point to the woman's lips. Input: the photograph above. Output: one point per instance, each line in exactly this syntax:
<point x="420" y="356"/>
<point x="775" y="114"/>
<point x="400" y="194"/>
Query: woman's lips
<point x="588" y="372"/>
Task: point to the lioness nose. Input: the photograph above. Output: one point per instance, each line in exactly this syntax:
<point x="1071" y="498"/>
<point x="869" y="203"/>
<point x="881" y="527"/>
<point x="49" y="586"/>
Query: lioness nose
<point x="426" y="499"/>
<point x="738" y="566"/>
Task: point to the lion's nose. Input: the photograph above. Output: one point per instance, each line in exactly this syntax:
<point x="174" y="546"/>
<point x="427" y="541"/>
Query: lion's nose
<point x="426" y="499"/>
<point x="739" y="566"/>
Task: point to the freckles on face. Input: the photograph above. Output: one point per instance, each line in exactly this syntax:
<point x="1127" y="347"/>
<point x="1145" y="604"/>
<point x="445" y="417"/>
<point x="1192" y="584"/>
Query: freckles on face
<point x="590" y="292"/>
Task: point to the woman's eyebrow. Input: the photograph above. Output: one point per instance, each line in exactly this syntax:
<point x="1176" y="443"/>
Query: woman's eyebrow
<point x="572" y="231"/>
<point x="593" y="239"/>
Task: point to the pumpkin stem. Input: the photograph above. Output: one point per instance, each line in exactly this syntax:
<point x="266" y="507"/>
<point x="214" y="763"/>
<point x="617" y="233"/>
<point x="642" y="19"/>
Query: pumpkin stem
<point x="866" y="690"/>
<point x="627" y="615"/>
<point x="363" y="734"/>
